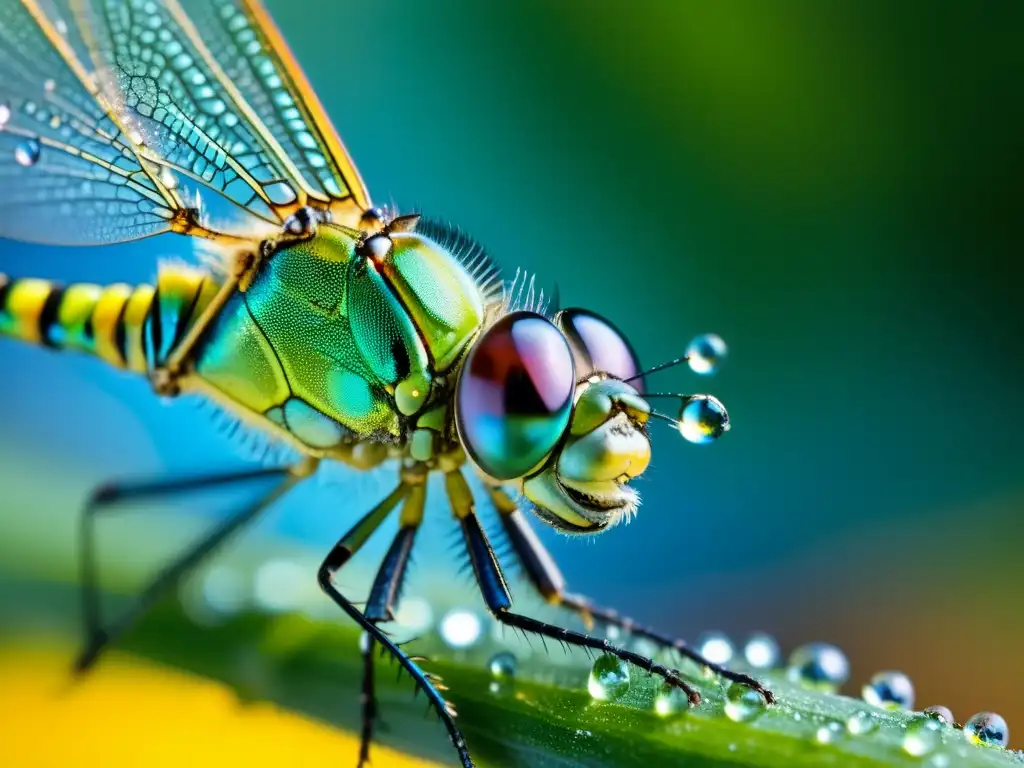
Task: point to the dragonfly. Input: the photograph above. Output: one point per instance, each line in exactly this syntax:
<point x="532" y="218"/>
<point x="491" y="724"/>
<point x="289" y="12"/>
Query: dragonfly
<point x="350" y="332"/>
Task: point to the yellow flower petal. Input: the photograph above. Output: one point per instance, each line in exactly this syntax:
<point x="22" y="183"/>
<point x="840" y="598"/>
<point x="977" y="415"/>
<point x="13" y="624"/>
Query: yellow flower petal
<point x="135" y="714"/>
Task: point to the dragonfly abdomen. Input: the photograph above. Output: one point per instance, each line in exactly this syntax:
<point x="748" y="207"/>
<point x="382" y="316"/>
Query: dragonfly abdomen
<point x="130" y="327"/>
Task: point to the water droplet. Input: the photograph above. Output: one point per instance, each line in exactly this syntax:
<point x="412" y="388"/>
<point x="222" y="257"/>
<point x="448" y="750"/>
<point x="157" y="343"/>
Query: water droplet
<point x="27" y="153"/>
<point x="460" y="628"/>
<point x="669" y="700"/>
<point x="818" y="666"/>
<point x="703" y="419"/>
<point x="50" y="85"/>
<point x="829" y="733"/>
<point x="502" y="665"/>
<point x="940" y="713"/>
<point x="889" y="690"/>
<point x="715" y="647"/>
<point x="743" y="704"/>
<point x="5" y="114"/>
<point x="55" y="121"/>
<point x="861" y="723"/>
<point x="761" y="651"/>
<point x="609" y="678"/>
<point x="987" y="729"/>
<point x="939" y="761"/>
<point x="922" y="736"/>
<point x="364" y="642"/>
<point x="705" y="353"/>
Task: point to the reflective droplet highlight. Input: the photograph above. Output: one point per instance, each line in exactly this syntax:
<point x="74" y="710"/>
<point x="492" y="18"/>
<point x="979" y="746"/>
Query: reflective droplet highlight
<point x="27" y="153"/>
<point x="940" y="713"/>
<point x="987" y="729"/>
<point x="818" y="666"/>
<point x="715" y="647"/>
<point x="743" y="704"/>
<point x="923" y="735"/>
<point x="460" y="628"/>
<point x="5" y="114"/>
<point x="503" y="665"/>
<point x="670" y="700"/>
<point x="609" y="678"/>
<point x="829" y="733"/>
<point x="761" y="651"/>
<point x="705" y="353"/>
<point x="889" y="690"/>
<point x="703" y="419"/>
<point x="861" y="723"/>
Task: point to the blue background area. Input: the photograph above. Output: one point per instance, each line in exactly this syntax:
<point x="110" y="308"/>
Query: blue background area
<point x="835" y="190"/>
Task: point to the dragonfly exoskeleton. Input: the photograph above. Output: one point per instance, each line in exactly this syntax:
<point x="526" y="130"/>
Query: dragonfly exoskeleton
<point x="349" y="332"/>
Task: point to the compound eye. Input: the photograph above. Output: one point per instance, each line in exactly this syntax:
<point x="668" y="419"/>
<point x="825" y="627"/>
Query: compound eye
<point x="514" y="396"/>
<point x="597" y="345"/>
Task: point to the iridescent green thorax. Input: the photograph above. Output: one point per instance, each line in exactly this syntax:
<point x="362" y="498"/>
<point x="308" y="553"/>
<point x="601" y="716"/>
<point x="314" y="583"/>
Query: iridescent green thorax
<point x="333" y="341"/>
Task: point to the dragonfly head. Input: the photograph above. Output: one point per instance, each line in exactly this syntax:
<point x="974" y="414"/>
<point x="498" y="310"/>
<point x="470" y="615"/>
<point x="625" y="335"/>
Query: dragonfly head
<point x="545" y="403"/>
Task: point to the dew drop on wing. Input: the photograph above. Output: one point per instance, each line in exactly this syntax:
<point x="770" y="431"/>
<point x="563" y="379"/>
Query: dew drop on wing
<point x="27" y="153"/>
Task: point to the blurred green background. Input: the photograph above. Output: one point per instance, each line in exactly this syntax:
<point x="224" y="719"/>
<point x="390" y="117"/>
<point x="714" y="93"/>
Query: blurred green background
<point x="833" y="188"/>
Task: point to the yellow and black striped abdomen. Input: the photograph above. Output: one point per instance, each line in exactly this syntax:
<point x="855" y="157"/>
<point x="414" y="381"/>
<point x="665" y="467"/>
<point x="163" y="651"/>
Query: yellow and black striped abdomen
<point x="131" y="327"/>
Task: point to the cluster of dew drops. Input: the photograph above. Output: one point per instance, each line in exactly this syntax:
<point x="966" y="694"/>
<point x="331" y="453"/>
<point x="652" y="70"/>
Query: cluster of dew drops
<point x="815" y="666"/>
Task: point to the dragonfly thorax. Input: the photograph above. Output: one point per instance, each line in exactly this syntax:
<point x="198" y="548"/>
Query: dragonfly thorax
<point x="343" y="336"/>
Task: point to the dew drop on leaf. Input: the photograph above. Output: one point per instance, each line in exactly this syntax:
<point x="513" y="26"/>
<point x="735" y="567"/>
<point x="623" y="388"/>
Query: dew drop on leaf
<point x="761" y="651"/>
<point x="502" y="665"/>
<point x="889" y="690"/>
<point x="743" y="704"/>
<point x="670" y="700"/>
<point x="609" y="678"/>
<point x="828" y="733"/>
<point x="818" y="666"/>
<point x="715" y="647"/>
<point x="861" y="723"/>
<point x="940" y="713"/>
<point x="923" y="735"/>
<point x="987" y="729"/>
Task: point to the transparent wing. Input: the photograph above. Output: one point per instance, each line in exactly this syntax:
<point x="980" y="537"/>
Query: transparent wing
<point x="115" y="116"/>
<point x="174" y="99"/>
<point x="67" y="172"/>
<point x="251" y="52"/>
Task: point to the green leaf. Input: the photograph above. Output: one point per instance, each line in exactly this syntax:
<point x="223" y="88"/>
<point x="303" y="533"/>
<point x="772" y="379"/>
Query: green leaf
<point x="542" y="717"/>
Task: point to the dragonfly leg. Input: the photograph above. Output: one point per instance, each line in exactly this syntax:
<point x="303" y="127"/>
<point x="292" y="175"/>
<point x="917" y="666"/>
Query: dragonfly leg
<point x="384" y="596"/>
<point x="343" y="551"/>
<point x="368" y="701"/>
<point x="107" y="497"/>
<point x="545" y="576"/>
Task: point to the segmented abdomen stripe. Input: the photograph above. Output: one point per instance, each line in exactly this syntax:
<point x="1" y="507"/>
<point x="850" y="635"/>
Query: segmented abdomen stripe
<point x="131" y="327"/>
